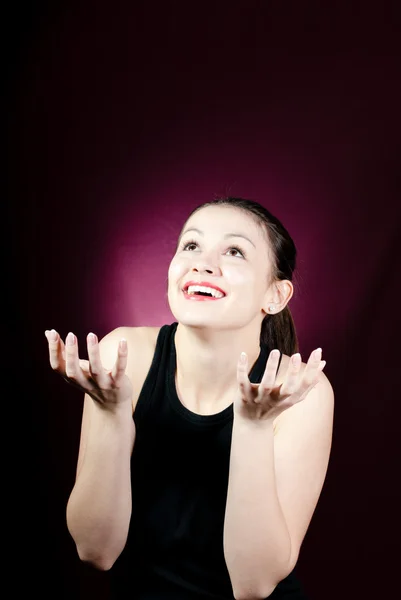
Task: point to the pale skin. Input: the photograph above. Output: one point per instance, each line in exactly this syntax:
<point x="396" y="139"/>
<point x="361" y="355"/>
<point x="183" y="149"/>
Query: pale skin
<point x="282" y="427"/>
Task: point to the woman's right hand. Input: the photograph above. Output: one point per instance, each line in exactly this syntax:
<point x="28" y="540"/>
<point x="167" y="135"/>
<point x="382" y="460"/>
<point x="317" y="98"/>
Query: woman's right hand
<point x="110" y="388"/>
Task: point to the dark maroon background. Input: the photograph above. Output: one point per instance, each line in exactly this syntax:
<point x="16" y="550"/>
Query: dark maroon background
<point x="124" y="116"/>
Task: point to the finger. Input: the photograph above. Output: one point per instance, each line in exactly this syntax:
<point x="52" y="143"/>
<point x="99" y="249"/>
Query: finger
<point x="242" y="377"/>
<point x="56" y="358"/>
<point x="84" y="364"/>
<point x="291" y="381"/>
<point x="120" y="365"/>
<point x="72" y="369"/>
<point x="96" y="369"/>
<point x="310" y="375"/>
<point x="62" y="348"/>
<point x="269" y="376"/>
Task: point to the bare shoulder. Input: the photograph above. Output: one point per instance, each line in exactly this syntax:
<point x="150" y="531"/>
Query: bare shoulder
<point x="140" y="334"/>
<point x="141" y="348"/>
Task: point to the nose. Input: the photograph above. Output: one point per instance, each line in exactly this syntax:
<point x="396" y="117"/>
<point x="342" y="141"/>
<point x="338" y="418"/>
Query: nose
<point x="205" y="265"/>
<point x="210" y="271"/>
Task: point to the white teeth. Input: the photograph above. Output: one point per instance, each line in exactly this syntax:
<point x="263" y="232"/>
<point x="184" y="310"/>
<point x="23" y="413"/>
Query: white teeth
<point x="200" y="288"/>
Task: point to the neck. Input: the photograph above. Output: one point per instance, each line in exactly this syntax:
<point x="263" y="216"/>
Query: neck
<point x="206" y="376"/>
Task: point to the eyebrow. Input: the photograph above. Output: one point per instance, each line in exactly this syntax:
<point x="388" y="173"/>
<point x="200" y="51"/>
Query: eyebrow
<point x="227" y="235"/>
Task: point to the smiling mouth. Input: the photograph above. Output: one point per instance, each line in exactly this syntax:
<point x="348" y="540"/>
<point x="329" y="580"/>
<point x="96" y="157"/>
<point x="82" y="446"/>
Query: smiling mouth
<point x="194" y="292"/>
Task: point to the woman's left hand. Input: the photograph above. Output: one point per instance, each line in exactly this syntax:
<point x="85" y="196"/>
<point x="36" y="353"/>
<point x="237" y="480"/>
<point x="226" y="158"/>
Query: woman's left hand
<point x="266" y="400"/>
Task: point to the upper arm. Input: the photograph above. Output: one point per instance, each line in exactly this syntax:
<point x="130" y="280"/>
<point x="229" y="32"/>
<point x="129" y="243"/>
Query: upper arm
<point x="302" y="444"/>
<point x="108" y="347"/>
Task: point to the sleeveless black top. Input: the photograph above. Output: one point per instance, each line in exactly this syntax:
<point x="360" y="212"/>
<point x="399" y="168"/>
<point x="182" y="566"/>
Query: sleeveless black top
<point x="179" y="473"/>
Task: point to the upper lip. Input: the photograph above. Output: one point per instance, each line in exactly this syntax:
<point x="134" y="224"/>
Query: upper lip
<point x="204" y="284"/>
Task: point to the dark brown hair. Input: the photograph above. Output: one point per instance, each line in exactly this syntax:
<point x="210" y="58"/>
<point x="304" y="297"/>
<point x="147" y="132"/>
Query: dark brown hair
<point x="278" y="330"/>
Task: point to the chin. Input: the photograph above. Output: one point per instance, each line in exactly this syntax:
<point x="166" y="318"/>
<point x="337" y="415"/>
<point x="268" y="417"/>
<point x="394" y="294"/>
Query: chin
<point x="192" y="318"/>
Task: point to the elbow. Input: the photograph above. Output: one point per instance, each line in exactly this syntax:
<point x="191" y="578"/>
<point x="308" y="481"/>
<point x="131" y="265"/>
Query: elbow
<point x="99" y="561"/>
<point x="249" y="596"/>
<point x="260" y="592"/>
<point x="100" y="556"/>
<point x="97" y="548"/>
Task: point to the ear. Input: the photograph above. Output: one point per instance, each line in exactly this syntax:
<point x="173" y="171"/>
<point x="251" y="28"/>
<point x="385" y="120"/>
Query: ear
<point x="277" y="296"/>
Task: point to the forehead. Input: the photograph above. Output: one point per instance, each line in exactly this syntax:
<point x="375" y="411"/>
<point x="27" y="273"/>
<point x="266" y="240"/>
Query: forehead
<point x="219" y="220"/>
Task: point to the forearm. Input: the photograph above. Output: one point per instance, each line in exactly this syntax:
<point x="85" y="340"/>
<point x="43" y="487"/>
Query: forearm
<point x="99" y="507"/>
<point x="257" y="544"/>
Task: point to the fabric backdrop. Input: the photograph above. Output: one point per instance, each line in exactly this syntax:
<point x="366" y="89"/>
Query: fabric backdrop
<point x="122" y="117"/>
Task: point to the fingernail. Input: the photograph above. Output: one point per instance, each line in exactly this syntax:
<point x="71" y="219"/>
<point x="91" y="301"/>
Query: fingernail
<point x="243" y="357"/>
<point x="296" y="358"/>
<point x="53" y="335"/>
<point x="317" y="353"/>
<point x="92" y="339"/>
<point x="70" y="339"/>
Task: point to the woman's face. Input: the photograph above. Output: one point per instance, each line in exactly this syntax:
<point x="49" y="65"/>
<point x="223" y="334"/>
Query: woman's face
<point x="223" y="247"/>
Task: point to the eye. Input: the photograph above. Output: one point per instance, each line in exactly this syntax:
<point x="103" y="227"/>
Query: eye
<point x="238" y="250"/>
<point x="190" y="243"/>
<point x="193" y="243"/>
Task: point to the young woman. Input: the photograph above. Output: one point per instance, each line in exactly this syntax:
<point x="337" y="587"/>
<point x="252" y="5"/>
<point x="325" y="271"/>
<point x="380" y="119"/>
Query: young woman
<point x="205" y="443"/>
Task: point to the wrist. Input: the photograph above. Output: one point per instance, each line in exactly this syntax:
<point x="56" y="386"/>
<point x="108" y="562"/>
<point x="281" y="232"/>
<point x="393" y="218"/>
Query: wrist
<point x="247" y="424"/>
<point x="118" y="410"/>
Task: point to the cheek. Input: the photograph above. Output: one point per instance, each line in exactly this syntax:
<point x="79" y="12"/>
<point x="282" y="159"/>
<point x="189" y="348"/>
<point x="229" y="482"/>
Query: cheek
<point x="176" y="269"/>
<point x="240" y="281"/>
<point x="238" y="277"/>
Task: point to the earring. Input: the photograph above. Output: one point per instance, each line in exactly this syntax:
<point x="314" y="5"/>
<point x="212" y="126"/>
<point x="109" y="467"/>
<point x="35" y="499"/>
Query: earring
<point x="271" y="308"/>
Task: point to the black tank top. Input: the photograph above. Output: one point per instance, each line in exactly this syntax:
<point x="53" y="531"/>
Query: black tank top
<point x="179" y="474"/>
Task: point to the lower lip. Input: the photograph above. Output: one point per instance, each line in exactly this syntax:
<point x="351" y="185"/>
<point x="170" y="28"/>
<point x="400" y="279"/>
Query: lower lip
<point x="196" y="298"/>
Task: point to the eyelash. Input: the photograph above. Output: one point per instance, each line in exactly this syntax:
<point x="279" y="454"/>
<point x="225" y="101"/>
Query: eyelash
<point x="185" y="244"/>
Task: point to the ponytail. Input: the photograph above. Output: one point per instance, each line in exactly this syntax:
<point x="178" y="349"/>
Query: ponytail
<point x="278" y="332"/>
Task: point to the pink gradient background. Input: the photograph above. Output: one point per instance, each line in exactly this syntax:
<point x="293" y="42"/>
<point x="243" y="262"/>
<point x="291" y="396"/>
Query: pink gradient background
<point x="125" y="118"/>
